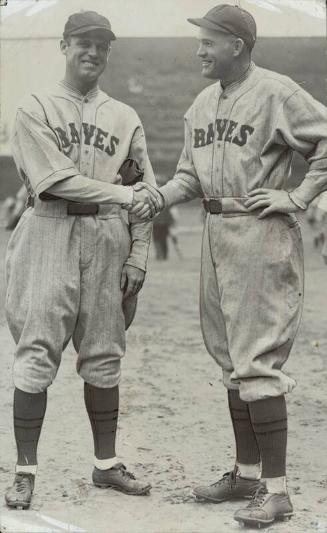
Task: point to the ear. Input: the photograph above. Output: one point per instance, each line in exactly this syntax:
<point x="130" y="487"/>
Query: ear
<point x="63" y="47"/>
<point x="238" y="47"/>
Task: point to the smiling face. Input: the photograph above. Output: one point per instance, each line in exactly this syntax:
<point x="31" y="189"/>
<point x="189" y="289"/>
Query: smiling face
<point x="86" y="58"/>
<point x="217" y="51"/>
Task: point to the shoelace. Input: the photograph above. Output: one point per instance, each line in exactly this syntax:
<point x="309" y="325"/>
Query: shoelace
<point x="229" y="477"/>
<point x="124" y="471"/>
<point x="22" y="484"/>
<point x="258" y="498"/>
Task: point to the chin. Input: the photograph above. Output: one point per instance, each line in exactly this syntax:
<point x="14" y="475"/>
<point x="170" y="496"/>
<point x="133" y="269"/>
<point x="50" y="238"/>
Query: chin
<point x="209" y="74"/>
<point x="89" y="78"/>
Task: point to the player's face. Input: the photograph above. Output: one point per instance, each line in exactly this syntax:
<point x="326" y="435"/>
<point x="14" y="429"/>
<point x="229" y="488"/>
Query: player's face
<point x="217" y="52"/>
<point x="86" y="56"/>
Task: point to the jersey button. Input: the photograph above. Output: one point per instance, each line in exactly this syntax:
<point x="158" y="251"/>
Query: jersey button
<point x="86" y="100"/>
<point x="225" y="97"/>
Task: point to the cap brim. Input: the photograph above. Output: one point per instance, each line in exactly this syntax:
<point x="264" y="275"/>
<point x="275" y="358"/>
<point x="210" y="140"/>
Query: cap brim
<point x="111" y="36"/>
<point x="205" y="23"/>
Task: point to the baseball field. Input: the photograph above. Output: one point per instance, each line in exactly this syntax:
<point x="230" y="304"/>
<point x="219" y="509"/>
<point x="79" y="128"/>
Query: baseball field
<point x="174" y="428"/>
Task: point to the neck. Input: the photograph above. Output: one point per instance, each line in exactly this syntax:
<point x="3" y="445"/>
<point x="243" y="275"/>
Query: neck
<point x="236" y="72"/>
<point x="79" y="85"/>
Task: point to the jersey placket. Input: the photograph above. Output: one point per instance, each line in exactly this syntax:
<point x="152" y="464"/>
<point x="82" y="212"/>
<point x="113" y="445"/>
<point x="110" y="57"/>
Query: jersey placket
<point x="226" y="103"/>
<point x="88" y="111"/>
<point x="216" y="168"/>
<point x="225" y="106"/>
<point x="88" y="224"/>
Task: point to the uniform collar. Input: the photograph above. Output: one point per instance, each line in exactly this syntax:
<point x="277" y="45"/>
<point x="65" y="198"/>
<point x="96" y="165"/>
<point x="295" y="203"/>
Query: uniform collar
<point x="236" y="84"/>
<point x="75" y="93"/>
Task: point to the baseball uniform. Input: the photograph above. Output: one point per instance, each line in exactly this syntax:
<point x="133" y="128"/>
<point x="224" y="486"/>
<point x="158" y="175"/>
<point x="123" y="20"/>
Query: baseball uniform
<point x="63" y="270"/>
<point x="252" y="270"/>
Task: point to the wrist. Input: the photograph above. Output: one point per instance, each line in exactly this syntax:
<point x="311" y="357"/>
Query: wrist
<point x="300" y="204"/>
<point x="129" y="195"/>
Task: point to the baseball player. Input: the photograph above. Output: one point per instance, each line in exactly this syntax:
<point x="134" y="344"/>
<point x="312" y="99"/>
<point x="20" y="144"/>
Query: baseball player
<point x="74" y="265"/>
<point x="321" y="209"/>
<point x="165" y="226"/>
<point x="240" y="134"/>
<point x="14" y="208"/>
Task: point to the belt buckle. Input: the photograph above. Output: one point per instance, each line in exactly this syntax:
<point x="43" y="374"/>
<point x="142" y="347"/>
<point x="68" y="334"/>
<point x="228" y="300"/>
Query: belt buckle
<point x="80" y="209"/>
<point x="215" y="206"/>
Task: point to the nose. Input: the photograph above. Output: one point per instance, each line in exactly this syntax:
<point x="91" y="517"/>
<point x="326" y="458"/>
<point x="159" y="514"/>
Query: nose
<point x="92" y="50"/>
<point x="201" y="51"/>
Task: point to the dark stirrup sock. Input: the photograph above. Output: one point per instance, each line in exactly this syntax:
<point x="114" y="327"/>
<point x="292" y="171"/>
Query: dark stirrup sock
<point x="247" y="451"/>
<point x="102" y="407"/>
<point x="269" y="420"/>
<point x="29" y="411"/>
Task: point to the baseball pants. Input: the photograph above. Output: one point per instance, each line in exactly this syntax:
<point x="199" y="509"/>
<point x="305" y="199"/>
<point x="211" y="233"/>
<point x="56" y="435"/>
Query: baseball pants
<point x="251" y="296"/>
<point x="63" y="281"/>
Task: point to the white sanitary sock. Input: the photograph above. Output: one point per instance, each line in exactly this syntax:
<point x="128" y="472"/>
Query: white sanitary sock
<point x="276" y="485"/>
<point x="249" y="471"/>
<point x="26" y="469"/>
<point x="104" y="464"/>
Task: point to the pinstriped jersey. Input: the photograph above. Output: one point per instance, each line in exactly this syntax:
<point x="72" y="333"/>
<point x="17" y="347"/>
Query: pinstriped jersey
<point x="90" y="135"/>
<point x="243" y="137"/>
<point x="64" y="134"/>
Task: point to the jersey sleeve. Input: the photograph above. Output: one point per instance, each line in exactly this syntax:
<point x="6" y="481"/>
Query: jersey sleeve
<point x="185" y="185"/>
<point x="45" y="168"/>
<point x="140" y="230"/>
<point x="302" y="125"/>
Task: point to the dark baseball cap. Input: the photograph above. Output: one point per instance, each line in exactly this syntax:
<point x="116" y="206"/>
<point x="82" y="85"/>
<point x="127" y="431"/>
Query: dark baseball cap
<point x="87" y="21"/>
<point x="230" y="19"/>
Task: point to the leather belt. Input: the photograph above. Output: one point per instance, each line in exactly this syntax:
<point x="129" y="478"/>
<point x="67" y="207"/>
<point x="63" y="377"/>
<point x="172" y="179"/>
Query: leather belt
<point x="213" y="206"/>
<point x="64" y="208"/>
<point x="81" y="209"/>
<point x="73" y="208"/>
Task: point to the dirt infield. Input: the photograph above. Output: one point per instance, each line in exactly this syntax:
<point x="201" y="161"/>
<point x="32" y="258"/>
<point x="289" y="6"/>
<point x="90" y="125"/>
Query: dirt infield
<point x="174" y="428"/>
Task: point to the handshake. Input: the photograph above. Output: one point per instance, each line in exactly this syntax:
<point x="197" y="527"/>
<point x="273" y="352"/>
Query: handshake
<point x="147" y="201"/>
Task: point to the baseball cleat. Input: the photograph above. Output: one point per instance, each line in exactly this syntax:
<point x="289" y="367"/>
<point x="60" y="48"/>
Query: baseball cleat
<point x="19" y="496"/>
<point x="229" y="487"/>
<point x="119" y="478"/>
<point x="265" y="508"/>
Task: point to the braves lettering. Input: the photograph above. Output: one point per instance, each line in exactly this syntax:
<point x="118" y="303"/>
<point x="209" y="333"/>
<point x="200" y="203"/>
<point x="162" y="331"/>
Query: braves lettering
<point x="226" y="130"/>
<point x="91" y="135"/>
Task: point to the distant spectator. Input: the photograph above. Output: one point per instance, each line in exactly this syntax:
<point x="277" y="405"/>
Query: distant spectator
<point x="14" y="208"/>
<point x="165" y="226"/>
<point x="322" y="211"/>
<point x="314" y="217"/>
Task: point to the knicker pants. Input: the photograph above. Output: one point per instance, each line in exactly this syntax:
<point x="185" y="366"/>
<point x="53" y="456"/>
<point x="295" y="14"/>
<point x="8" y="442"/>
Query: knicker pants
<point x="63" y="281"/>
<point x="251" y="296"/>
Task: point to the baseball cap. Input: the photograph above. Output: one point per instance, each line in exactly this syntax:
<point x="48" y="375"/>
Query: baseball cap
<point x="87" y="21"/>
<point x="230" y="19"/>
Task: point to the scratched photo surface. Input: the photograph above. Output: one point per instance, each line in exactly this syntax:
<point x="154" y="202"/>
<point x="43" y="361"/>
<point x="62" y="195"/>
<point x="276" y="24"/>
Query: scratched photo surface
<point x="174" y="428"/>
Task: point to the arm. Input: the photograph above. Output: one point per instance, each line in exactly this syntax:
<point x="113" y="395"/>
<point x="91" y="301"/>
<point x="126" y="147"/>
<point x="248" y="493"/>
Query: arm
<point x="301" y="125"/>
<point x="39" y="159"/>
<point x="185" y="185"/>
<point x="140" y="230"/>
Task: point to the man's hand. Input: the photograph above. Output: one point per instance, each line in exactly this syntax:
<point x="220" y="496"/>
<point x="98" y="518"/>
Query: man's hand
<point x="147" y="201"/>
<point x="273" y="201"/>
<point x="131" y="281"/>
